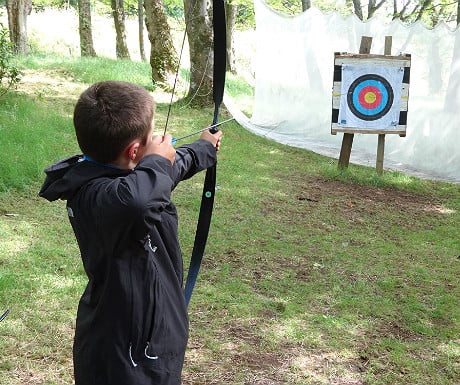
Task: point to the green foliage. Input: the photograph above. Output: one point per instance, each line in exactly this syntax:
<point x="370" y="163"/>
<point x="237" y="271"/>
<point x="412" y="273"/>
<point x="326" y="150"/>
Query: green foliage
<point x="40" y="5"/>
<point x="245" y="18"/>
<point x="174" y="9"/>
<point x="287" y="7"/>
<point x="9" y="73"/>
<point x="430" y="13"/>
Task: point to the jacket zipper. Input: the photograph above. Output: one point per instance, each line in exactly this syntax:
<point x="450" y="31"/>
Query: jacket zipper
<point x="149" y="336"/>
<point x="133" y="363"/>
<point x="132" y="312"/>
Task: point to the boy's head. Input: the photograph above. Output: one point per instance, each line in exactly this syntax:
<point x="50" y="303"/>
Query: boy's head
<point x="109" y="115"/>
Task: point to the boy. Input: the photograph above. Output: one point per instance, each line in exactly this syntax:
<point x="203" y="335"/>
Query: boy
<point x="132" y="324"/>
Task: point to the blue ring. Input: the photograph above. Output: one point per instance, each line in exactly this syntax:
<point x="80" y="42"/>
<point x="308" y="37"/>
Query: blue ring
<point x="374" y="113"/>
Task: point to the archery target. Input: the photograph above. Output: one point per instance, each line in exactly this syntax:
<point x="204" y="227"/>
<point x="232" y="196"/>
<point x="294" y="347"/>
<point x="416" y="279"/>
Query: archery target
<point x="370" y="96"/>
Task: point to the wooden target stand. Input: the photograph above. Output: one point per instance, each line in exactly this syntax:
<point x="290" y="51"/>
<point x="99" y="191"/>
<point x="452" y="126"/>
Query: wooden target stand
<point x="348" y="134"/>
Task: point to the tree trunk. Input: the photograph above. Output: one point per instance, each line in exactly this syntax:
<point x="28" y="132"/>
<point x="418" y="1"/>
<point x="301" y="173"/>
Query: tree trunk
<point x="306" y="4"/>
<point x="373" y="7"/>
<point x="200" y="39"/>
<point x="163" y="56"/>
<point x="395" y="10"/>
<point x="18" y="10"/>
<point x="357" y="8"/>
<point x="118" y="13"/>
<point x="140" y="13"/>
<point x="85" y="30"/>
<point x="458" y="12"/>
<point x="231" y="11"/>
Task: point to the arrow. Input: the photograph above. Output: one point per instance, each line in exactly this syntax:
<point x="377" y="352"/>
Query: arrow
<point x="174" y="140"/>
<point x="3" y="316"/>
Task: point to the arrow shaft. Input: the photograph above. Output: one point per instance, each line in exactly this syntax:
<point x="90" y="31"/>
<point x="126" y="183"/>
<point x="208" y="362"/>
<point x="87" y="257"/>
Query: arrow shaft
<point x="201" y="130"/>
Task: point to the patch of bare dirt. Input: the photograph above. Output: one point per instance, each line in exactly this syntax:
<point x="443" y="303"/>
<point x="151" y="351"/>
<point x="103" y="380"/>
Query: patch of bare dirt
<point x="318" y="189"/>
<point x="44" y="84"/>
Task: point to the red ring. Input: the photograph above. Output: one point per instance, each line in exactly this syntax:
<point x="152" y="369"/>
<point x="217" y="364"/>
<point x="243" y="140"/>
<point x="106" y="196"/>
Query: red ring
<point x="364" y="92"/>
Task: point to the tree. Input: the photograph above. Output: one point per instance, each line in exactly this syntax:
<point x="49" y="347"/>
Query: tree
<point x="18" y="10"/>
<point x="199" y="32"/>
<point x="431" y="13"/>
<point x="358" y="10"/>
<point x="163" y="57"/>
<point x="306" y="4"/>
<point x="372" y="7"/>
<point x="140" y="17"/>
<point x="231" y="11"/>
<point x="458" y="12"/>
<point x="424" y="4"/>
<point x="84" y="27"/>
<point x="118" y="12"/>
<point x="9" y="73"/>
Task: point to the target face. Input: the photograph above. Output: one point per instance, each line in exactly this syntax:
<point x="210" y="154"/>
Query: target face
<point x="370" y="97"/>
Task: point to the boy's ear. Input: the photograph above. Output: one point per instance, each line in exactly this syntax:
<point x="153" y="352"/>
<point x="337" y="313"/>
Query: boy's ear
<point x="132" y="149"/>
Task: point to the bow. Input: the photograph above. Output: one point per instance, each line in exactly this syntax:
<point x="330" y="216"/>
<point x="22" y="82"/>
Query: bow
<point x="3" y="316"/>
<point x="209" y="188"/>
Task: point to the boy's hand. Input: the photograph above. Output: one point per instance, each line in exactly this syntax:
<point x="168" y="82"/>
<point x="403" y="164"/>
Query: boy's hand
<point x="214" y="139"/>
<point x="162" y="145"/>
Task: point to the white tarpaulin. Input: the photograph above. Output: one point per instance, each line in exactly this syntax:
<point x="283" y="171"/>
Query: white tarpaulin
<point x="294" y="65"/>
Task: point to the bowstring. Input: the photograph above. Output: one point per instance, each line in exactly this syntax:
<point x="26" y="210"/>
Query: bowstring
<point x="187" y="17"/>
<point x="201" y="82"/>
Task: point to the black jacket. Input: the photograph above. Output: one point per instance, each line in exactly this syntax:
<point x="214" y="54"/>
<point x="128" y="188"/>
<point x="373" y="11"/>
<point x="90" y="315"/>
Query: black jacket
<point x="132" y="324"/>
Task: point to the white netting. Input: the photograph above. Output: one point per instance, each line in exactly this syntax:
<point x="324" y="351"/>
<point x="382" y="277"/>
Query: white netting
<point x="294" y="65"/>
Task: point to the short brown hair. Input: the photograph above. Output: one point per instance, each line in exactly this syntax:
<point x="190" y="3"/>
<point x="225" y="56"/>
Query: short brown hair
<point x="109" y="115"/>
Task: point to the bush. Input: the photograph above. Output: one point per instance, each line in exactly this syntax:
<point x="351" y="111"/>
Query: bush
<point x="9" y="73"/>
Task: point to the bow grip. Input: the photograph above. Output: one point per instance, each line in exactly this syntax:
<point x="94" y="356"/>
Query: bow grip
<point x="213" y="130"/>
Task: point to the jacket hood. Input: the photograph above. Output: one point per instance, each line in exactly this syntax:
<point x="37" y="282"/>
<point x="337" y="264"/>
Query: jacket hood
<point x="64" y="178"/>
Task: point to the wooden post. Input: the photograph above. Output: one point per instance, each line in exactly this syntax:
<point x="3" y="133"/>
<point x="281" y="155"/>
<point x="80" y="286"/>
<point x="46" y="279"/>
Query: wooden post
<point x="381" y="140"/>
<point x="380" y="153"/>
<point x="347" y="141"/>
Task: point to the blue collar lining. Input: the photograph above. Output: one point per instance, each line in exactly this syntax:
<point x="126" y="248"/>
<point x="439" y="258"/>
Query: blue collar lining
<point x="89" y="159"/>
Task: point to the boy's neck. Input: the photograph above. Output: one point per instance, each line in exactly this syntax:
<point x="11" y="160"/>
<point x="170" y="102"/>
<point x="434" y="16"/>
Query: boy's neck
<point x="124" y="163"/>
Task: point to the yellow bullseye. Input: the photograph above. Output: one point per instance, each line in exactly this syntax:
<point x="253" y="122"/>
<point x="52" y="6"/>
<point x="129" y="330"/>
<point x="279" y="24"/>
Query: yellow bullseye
<point x="370" y="97"/>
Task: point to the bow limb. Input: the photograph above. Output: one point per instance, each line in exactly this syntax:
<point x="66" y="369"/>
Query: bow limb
<point x="220" y="55"/>
<point x="209" y="188"/>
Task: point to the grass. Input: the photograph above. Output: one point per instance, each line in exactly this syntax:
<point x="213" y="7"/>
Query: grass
<point x="82" y="69"/>
<point x="310" y="276"/>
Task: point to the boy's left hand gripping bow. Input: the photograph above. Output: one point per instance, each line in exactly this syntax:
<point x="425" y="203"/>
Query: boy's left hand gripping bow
<point x="209" y="188"/>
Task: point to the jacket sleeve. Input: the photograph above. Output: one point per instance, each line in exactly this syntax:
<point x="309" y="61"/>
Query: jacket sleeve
<point x="147" y="187"/>
<point x="192" y="158"/>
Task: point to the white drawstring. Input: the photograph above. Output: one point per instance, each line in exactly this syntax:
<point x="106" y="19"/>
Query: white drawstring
<point x="149" y="357"/>
<point x="131" y="357"/>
